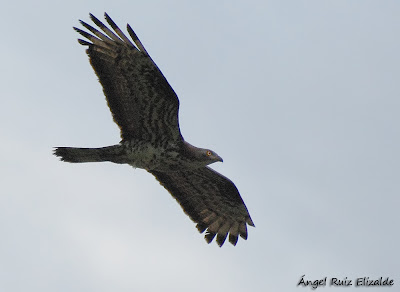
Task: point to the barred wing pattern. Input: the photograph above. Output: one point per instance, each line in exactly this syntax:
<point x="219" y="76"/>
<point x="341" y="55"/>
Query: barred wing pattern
<point x="142" y="102"/>
<point x="211" y="200"/>
<point x="145" y="107"/>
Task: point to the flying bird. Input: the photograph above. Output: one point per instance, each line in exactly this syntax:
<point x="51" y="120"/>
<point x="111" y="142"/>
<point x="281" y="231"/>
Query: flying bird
<point x="145" y="107"/>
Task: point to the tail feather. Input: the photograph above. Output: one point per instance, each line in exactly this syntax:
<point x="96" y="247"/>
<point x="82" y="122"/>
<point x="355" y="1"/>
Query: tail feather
<point x="76" y="155"/>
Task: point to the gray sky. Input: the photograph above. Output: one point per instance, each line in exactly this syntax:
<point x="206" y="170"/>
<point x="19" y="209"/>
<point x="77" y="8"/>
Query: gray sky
<point x="300" y="98"/>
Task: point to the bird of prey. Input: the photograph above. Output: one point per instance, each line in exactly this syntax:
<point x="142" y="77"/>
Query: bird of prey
<point x="145" y="107"/>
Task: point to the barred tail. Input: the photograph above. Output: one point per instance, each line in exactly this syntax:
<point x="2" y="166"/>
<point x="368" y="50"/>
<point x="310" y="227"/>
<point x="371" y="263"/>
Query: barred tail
<point x="72" y="154"/>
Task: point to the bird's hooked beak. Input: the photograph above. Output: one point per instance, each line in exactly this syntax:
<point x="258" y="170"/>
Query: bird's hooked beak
<point x="219" y="158"/>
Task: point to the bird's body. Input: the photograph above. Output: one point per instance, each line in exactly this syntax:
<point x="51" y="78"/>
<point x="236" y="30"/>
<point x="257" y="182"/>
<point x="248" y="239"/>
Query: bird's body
<point x="145" y="107"/>
<point x="138" y="154"/>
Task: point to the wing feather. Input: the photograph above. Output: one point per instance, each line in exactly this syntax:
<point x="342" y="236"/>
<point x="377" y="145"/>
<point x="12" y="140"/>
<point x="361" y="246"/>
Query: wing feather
<point x="142" y="102"/>
<point x="211" y="200"/>
<point x="117" y="30"/>
<point x="234" y="231"/>
<point x="104" y="28"/>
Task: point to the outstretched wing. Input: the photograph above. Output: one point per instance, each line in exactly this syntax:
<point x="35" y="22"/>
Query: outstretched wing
<point x="211" y="200"/>
<point x="142" y="102"/>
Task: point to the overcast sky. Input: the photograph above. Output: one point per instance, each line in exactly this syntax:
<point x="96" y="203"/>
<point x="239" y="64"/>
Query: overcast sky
<point x="300" y="98"/>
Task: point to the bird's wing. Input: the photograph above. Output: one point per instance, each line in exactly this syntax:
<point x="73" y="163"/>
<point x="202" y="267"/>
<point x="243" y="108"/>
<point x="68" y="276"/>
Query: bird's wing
<point x="211" y="200"/>
<point x="142" y="102"/>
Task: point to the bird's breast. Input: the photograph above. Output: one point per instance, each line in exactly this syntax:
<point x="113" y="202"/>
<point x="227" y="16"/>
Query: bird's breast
<point x="145" y="155"/>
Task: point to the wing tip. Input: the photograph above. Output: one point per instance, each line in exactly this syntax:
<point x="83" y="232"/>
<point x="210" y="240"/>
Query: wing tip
<point x="250" y="221"/>
<point x="209" y="236"/>
<point x="233" y="239"/>
<point x="201" y="227"/>
<point x="221" y="239"/>
<point x="84" y="43"/>
<point x="106" y="16"/>
<point x="221" y="234"/>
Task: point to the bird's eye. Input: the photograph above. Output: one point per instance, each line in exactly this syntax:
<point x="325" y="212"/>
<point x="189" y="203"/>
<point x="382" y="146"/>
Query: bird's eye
<point x="208" y="153"/>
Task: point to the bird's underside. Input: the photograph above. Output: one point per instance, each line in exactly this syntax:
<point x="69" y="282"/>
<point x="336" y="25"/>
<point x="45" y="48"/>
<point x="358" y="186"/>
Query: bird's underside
<point x="145" y="107"/>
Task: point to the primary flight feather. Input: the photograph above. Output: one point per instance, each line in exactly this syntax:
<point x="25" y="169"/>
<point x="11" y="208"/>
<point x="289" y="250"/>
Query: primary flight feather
<point x="145" y="107"/>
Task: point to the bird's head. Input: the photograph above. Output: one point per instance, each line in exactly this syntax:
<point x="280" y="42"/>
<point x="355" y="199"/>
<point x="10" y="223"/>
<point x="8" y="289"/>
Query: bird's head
<point x="211" y="156"/>
<point x="201" y="156"/>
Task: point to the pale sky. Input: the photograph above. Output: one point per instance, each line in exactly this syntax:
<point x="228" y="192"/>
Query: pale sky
<point x="300" y="98"/>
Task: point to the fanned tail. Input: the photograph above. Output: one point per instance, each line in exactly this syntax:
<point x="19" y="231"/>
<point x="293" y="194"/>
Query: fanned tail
<point x="77" y="155"/>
